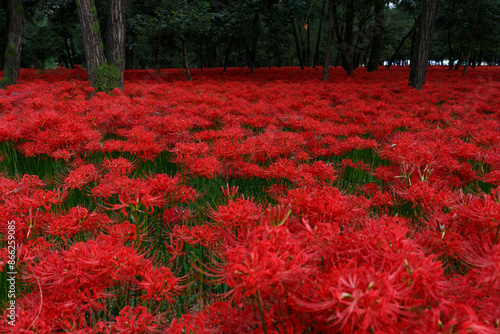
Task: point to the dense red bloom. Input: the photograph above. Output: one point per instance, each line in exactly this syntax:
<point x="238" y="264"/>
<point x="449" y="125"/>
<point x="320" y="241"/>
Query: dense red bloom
<point x="383" y="216"/>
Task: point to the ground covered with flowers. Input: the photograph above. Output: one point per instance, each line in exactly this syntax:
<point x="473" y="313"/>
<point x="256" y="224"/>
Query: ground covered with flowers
<point x="266" y="203"/>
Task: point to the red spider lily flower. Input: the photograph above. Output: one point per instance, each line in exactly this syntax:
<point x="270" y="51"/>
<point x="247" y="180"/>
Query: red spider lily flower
<point x="134" y="199"/>
<point x="238" y="215"/>
<point x="135" y="321"/>
<point x="229" y="193"/>
<point x="123" y="232"/>
<point x="279" y="214"/>
<point x="159" y="284"/>
<point x="270" y="261"/>
<point x="119" y="166"/>
<point x="81" y="176"/>
<point x="189" y="323"/>
<point x="174" y="248"/>
<point x="486" y="261"/>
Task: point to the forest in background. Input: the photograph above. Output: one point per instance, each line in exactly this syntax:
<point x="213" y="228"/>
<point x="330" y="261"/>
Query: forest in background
<point x="261" y="33"/>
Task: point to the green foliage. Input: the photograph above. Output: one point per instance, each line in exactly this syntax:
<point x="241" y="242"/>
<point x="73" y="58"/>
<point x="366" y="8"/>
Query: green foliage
<point x="95" y="27"/>
<point x="10" y="52"/>
<point x="107" y="77"/>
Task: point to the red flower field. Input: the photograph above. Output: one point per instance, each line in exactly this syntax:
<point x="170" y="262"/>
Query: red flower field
<point x="237" y="203"/>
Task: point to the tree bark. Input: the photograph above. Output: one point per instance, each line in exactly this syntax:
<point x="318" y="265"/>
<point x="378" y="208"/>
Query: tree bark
<point x="133" y="59"/>
<point x="228" y="52"/>
<point x="92" y="42"/>
<point x="316" y="52"/>
<point x="253" y="50"/>
<point x="347" y="45"/>
<point x="420" y="54"/>
<point x="12" y="59"/>
<point x="185" y="59"/>
<point x="377" y="39"/>
<point x="450" y="50"/>
<point x="104" y="74"/>
<point x="472" y="38"/>
<point x="331" y="23"/>
<point x="308" y="50"/>
<point x="5" y="5"/>
<point x="115" y="36"/>
<point x="297" y="45"/>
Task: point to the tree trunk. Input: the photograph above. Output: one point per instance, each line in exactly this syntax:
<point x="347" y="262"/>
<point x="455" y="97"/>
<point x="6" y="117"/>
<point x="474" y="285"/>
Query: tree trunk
<point x="92" y="42"/>
<point x="200" y="56"/>
<point x="308" y="50"/>
<point x="228" y="52"/>
<point x="393" y="58"/>
<point x="115" y="37"/>
<point x="450" y="50"/>
<point x="472" y="38"/>
<point x="133" y="58"/>
<point x="377" y="39"/>
<point x="347" y="45"/>
<point x="12" y="59"/>
<point x="297" y="45"/>
<point x="5" y="5"/>
<point x="185" y="59"/>
<point x="316" y="53"/>
<point x="70" y="63"/>
<point x="326" y="65"/>
<point x="253" y="50"/>
<point x="420" y="54"/>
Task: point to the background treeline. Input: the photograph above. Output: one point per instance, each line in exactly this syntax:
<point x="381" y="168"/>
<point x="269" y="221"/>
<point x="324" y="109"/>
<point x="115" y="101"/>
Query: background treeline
<point x="261" y="33"/>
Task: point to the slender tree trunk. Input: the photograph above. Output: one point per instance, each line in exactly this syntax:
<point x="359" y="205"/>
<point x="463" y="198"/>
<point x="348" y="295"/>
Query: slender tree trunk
<point x="297" y="44"/>
<point x="394" y="55"/>
<point x="308" y="52"/>
<point x="247" y="54"/>
<point x="5" y="5"/>
<point x="253" y="50"/>
<point x="331" y="23"/>
<point x="316" y="53"/>
<point x="70" y="60"/>
<point x="228" y="52"/>
<point x="420" y="55"/>
<point x="115" y="37"/>
<point x="450" y="50"/>
<point x="200" y="55"/>
<point x="472" y="38"/>
<point x="185" y="58"/>
<point x="377" y="39"/>
<point x="347" y="45"/>
<point x="12" y="58"/>
<point x="494" y="59"/>
<point x="133" y="57"/>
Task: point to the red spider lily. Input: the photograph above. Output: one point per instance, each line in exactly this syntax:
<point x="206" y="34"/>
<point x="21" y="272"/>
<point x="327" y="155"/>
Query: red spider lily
<point x="229" y="193"/>
<point x="174" y="248"/>
<point x="81" y="176"/>
<point x="486" y="261"/>
<point x="188" y="324"/>
<point x="269" y="261"/>
<point x="238" y="215"/>
<point x="159" y="284"/>
<point x="134" y="199"/>
<point x="135" y="321"/>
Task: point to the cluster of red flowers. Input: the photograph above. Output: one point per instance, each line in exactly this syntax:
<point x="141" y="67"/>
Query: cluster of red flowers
<point x="362" y="205"/>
